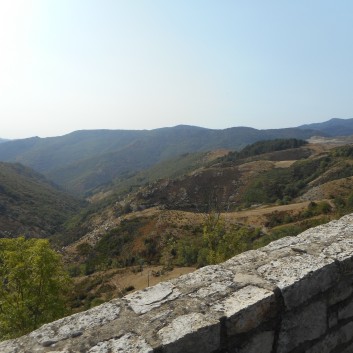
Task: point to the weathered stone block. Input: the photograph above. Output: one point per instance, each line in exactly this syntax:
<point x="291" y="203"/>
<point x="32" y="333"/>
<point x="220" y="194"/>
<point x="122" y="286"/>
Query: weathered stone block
<point x="345" y="311"/>
<point x="191" y="333"/>
<point x="128" y="343"/>
<point x="332" y="319"/>
<point x="305" y="325"/>
<point x="348" y="349"/>
<point x="203" y="278"/>
<point x="74" y="325"/>
<point x="341" y="291"/>
<point x="152" y="297"/>
<point x="261" y="342"/>
<point x="246" y="309"/>
<point x="333" y="340"/>
<point x="300" y="277"/>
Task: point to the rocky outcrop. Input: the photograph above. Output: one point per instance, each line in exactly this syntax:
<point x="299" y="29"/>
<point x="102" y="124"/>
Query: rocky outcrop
<point x="294" y="295"/>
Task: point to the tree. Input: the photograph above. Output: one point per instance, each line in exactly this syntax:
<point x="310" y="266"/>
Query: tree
<point x="33" y="286"/>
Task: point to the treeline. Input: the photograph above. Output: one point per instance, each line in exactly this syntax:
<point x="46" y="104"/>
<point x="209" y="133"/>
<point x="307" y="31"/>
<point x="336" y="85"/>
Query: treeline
<point x="262" y="147"/>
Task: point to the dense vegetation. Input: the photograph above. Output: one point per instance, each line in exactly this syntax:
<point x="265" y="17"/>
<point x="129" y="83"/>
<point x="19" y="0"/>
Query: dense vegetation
<point x="262" y="147"/>
<point x="33" y="286"/>
<point x="31" y="204"/>
<point x="284" y="184"/>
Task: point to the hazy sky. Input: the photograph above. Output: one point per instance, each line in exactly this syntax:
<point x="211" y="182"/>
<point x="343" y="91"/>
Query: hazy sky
<point x="141" y="64"/>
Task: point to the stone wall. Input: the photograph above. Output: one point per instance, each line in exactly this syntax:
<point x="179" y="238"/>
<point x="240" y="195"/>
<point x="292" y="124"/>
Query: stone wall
<point x="294" y="295"/>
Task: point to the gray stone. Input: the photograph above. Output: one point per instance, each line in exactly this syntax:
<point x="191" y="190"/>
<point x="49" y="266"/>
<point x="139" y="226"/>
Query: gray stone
<point x="333" y="339"/>
<point x="73" y="326"/>
<point x="203" y="278"/>
<point x="247" y="308"/>
<point x="261" y="342"/>
<point x="348" y="349"/>
<point x="300" y="277"/>
<point x="299" y="327"/>
<point x="341" y="291"/>
<point x="346" y="311"/>
<point x="332" y="319"/>
<point x="191" y="333"/>
<point x="213" y="289"/>
<point x="152" y="297"/>
<point x="129" y="343"/>
<point x="342" y="251"/>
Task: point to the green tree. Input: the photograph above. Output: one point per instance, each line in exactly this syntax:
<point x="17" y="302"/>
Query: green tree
<point x="213" y="232"/>
<point x="33" y="288"/>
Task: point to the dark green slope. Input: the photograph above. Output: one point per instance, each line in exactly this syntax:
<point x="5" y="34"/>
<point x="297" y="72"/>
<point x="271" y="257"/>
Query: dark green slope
<point x="30" y="204"/>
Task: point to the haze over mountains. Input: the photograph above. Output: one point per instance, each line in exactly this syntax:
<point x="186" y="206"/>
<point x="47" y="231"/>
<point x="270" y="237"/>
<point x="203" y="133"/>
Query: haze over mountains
<point x="84" y="160"/>
<point x="149" y="193"/>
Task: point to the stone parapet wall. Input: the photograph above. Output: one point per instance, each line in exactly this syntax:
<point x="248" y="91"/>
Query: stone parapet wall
<point x="294" y="295"/>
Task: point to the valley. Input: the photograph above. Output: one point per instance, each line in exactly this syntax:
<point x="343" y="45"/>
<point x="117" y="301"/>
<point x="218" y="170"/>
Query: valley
<point x="171" y="208"/>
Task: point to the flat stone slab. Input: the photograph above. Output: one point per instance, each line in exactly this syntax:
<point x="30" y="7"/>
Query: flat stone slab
<point x="300" y="276"/>
<point x="247" y="308"/>
<point x="129" y="343"/>
<point x="74" y="325"/>
<point x="191" y="333"/>
<point x="152" y="297"/>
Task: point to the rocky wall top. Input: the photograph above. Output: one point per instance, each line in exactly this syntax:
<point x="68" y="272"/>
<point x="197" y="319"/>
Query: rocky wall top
<point x="280" y="298"/>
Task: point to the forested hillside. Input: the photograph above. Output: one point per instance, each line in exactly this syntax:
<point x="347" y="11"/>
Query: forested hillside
<point x="30" y="204"/>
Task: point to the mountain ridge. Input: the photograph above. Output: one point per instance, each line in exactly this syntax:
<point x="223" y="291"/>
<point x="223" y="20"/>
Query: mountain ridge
<point x="83" y="160"/>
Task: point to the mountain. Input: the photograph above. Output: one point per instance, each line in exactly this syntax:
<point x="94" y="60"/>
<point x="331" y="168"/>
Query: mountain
<point x="84" y="160"/>
<point x="30" y="204"/>
<point x="333" y="127"/>
<point x="3" y="140"/>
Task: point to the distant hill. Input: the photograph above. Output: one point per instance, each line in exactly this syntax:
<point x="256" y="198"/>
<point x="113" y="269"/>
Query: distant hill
<point x="333" y="127"/>
<point x="3" y="140"/>
<point x="83" y="160"/>
<point x="30" y="204"/>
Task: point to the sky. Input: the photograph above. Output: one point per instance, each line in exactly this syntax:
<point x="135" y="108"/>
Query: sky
<point x="69" y="65"/>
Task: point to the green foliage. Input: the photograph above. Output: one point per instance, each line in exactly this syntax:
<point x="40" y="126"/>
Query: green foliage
<point x="343" y="151"/>
<point x="344" y="205"/>
<point x="188" y="250"/>
<point x="33" y="288"/>
<point x="284" y="184"/>
<point x="289" y="230"/>
<point x="168" y="253"/>
<point x="114" y="248"/>
<point x="261" y="147"/>
<point x="218" y="243"/>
